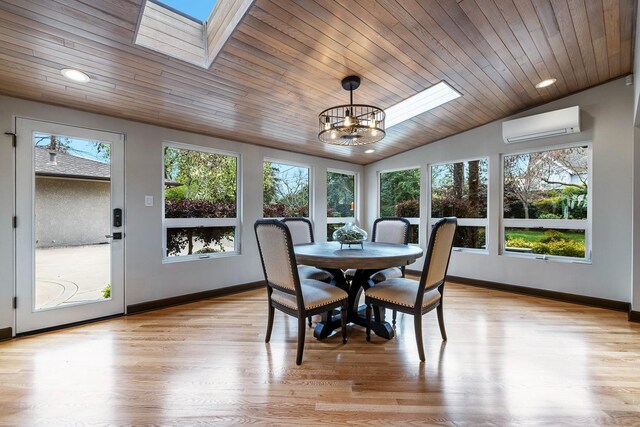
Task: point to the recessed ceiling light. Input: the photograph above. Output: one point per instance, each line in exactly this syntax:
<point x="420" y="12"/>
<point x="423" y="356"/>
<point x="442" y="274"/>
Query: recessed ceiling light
<point x="545" y="83"/>
<point x="75" y="75"/>
<point x="419" y="103"/>
<point x="370" y="150"/>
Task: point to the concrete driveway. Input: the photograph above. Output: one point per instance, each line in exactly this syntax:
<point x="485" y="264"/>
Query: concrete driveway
<point x="69" y="275"/>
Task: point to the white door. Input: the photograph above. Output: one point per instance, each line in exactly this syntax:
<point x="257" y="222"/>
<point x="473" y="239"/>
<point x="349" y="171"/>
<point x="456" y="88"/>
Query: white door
<point x="70" y="224"/>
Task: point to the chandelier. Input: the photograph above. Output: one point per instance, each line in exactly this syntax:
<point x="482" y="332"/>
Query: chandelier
<point x="352" y="124"/>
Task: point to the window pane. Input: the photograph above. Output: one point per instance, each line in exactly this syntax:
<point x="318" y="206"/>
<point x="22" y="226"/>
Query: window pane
<point x="331" y="228"/>
<point x="200" y="240"/>
<point x="400" y="193"/>
<point x="459" y="189"/>
<point x="414" y="233"/>
<point x="341" y="195"/>
<point x="547" y="185"/>
<point x="286" y="190"/>
<point x="199" y="184"/>
<point x="470" y="237"/>
<point x="559" y="242"/>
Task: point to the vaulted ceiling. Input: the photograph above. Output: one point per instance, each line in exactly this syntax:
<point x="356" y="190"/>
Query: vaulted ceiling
<point x="284" y="62"/>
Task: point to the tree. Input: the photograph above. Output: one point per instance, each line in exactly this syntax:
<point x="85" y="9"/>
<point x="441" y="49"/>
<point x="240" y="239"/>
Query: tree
<point x="286" y="190"/>
<point x="201" y="175"/>
<point x="531" y="177"/>
<point x="340" y="193"/>
<point x="97" y="150"/>
<point x="522" y="178"/>
<point x="396" y="187"/>
<point x="269" y="182"/>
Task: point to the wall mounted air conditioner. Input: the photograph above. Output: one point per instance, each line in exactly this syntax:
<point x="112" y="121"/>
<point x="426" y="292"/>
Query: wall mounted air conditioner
<point x="553" y="123"/>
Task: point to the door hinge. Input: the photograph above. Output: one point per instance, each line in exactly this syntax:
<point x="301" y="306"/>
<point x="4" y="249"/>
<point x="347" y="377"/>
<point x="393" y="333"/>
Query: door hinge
<point x="13" y="138"/>
<point x="15" y="222"/>
<point x="15" y="302"/>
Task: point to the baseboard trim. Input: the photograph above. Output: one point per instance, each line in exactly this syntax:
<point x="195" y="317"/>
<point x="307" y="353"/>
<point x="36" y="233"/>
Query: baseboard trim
<point x="543" y="293"/>
<point x="634" y="316"/>
<point x="188" y="298"/>
<point x="6" y="334"/>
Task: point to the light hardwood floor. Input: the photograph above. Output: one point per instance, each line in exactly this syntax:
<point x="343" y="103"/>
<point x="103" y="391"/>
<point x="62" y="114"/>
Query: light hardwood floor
<point x="510" y="360"/>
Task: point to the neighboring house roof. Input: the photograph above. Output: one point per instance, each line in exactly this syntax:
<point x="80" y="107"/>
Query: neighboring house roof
<point x="67" y="165"/>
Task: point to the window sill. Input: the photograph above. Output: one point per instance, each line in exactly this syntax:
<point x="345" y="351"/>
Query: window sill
<point x="199" y="257"/>
<point x="552" y="258"/>
<point x="470" y="251"/>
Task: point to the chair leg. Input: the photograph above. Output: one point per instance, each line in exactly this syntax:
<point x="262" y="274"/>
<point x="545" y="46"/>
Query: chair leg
<point x="395" y="314"/>
<point x="343" y="322"/>
<point x="301" y="332"/>
<point x="368" y="321"/>
<point x="417" y="320"/>
<point x="269" y="323"/>
<point x="443" y="332"/>
<point x="309" y="321"/>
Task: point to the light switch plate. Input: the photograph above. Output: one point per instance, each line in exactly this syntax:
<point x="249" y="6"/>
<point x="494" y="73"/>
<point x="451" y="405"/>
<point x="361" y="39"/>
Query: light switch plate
<point x="148" y="200"/>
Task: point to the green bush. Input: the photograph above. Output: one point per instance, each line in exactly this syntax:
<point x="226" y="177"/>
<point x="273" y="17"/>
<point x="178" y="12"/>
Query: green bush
<point x="549" y="216"/>
<point x="517" y="243"/>
<point x="560" y="248"/>
<point x="176" y="193"/>
<point x="106" y="291"/>
<point x="554" y="243"/>
<point x="553" y="236"/>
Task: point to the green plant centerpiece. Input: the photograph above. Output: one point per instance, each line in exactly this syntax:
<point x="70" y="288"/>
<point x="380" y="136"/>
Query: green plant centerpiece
<point x="350" y="234"/>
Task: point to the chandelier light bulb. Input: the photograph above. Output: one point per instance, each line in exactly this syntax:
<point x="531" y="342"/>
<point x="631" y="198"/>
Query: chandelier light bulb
<point x="327" y="123"/>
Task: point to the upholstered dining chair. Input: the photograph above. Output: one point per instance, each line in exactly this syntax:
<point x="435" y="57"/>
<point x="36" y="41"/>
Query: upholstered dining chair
<point x="418" y="297"/>
<point x="302" y="232"/>
<point x="387" y="230"/>
<point x="286" y="291"/>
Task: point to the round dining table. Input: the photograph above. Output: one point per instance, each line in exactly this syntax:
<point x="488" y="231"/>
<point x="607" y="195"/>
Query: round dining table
<point x="367" y="259"/>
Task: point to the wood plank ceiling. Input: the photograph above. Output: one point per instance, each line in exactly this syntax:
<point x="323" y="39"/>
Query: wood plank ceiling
<point x="284" y="62"/>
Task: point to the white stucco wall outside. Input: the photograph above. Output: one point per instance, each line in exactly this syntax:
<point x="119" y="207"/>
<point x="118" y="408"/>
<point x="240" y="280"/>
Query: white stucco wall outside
<point x="72" y="212"/>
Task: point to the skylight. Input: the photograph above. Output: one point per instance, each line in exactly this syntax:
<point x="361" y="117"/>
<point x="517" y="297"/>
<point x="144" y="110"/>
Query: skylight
<point x="196" y="9"/>
<point x="194" y="31"/>
<point x="419" y="103"/>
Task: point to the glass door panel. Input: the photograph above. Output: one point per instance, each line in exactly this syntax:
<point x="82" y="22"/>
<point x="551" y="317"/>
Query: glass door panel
<point x="69" y="186"/>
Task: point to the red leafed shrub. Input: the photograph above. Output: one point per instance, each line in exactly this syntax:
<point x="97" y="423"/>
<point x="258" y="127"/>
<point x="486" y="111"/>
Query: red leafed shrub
<point x="198" y="209"/>
<point x="279" y="210"/>
<point x="408" y="209"/>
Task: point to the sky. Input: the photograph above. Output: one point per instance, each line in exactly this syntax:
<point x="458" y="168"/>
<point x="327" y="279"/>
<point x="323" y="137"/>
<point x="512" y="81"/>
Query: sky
<point x="77" y="147"/>
<point x="199" y="9"/>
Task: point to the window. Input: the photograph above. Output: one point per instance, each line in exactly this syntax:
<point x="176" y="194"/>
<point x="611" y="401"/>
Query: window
<point x="285" y="190"/>
<point x="200" y="202"/>
<point x="341" y="200"/>
<point x="400" y="196"/>
<point x="460" y="189"/>
<point x="546" y="203"/>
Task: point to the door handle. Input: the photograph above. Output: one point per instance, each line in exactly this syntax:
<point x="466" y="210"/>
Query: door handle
<point x="108" y="236"/>
<point x="114" y="236"/>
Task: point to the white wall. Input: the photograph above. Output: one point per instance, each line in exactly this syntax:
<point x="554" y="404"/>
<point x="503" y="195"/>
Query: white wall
<point x="607" y="121"/>
<point x="635" y="301"/>
<point x="146" y="277"/>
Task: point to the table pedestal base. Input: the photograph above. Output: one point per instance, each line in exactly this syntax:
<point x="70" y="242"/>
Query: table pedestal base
<point x="356" y="314"/>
